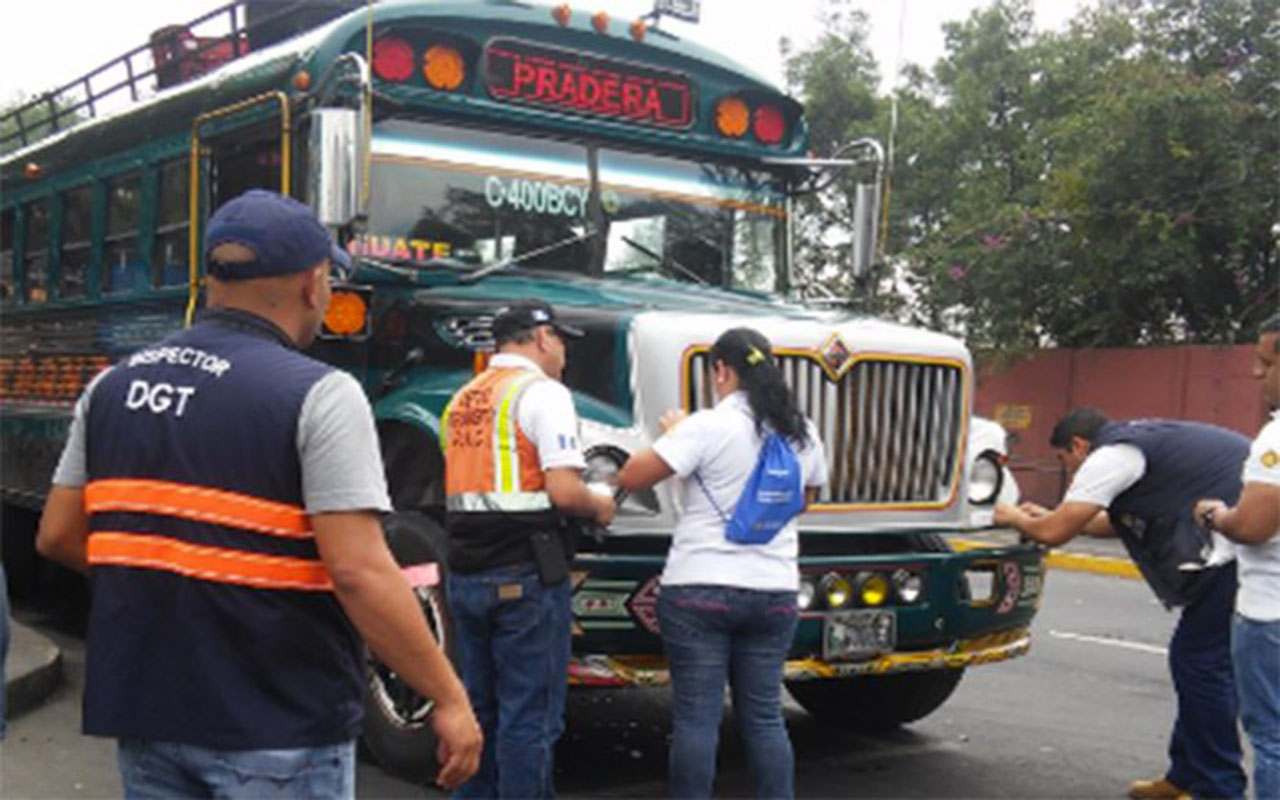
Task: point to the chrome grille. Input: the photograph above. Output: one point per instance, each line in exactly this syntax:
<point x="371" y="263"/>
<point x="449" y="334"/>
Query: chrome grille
<point x="892" y="429"/>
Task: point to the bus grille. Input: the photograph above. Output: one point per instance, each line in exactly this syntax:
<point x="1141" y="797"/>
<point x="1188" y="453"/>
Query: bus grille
<point x="892" y="429"/>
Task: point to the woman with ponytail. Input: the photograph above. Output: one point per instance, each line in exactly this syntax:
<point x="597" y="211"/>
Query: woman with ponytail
<point x="728" y="610"/>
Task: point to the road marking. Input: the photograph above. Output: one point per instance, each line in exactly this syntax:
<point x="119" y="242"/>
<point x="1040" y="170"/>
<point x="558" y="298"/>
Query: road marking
<point x="1080" y="637"/>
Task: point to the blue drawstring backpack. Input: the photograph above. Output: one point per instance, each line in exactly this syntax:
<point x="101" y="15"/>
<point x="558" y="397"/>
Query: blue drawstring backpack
<point x="772" y="496"/>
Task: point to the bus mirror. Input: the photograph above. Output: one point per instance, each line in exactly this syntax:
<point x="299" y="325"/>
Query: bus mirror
<point x="866" y="210"/>
<point x="336" y="165"/>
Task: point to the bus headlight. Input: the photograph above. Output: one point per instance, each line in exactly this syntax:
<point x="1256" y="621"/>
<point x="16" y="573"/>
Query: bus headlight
<point x="836" y="590"/>
<point x="909" y="586"/>
<point x="873" y="589"/>
<point x="805" y="597"/>
<point x="985" y="479"/>
<point x="604" y="462"/>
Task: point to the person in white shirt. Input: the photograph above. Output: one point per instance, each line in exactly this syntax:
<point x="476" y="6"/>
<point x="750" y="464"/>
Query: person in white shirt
<point x="728" y="611"/>
<point x="1138" y="480"/>
<point x="1254" y="524"/>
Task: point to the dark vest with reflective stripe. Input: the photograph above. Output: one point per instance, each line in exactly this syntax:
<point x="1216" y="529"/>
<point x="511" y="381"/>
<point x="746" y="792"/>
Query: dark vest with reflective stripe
<point x="212" y="619"/>
<point x="1185" y="462"/>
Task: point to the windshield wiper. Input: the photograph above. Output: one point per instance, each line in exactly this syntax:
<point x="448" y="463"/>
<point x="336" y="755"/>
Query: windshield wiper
<point x="666" y="261"/>
<point x="506" y="264"/>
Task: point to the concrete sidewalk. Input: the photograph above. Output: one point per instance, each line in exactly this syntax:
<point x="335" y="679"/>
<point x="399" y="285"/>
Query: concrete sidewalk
<point x="32" y="670"/>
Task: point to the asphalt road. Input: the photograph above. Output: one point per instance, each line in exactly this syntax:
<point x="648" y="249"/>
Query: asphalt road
<point x="1087" y="711"/>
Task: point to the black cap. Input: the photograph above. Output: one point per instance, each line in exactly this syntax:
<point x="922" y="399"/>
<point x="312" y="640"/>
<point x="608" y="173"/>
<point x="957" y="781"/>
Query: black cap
<point x="526" y="315"/>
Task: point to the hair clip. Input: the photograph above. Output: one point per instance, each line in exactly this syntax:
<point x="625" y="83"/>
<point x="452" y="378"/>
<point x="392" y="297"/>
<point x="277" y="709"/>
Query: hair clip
<point x="754" y="356"/>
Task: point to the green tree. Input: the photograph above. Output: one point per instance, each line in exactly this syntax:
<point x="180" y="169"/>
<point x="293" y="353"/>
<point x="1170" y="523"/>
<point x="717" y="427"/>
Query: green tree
<point x="1112" y="184"/>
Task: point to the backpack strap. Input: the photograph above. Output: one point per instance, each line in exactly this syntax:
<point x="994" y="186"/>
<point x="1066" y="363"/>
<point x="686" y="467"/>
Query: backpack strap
<point x="697" y="476"/>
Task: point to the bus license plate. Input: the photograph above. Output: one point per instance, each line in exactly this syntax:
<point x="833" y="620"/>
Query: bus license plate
<point x="851" y="635"/>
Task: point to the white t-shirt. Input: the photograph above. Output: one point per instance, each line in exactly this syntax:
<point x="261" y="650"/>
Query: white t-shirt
<point x="547" y="416"/>
<point x="1259" y="595"/>
<point x="1107" y="473"/>
<point x="722" y="446"/>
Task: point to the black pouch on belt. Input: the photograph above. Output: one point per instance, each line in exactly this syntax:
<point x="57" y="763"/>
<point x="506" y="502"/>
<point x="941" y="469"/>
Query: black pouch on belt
<point x="548" y="554"/>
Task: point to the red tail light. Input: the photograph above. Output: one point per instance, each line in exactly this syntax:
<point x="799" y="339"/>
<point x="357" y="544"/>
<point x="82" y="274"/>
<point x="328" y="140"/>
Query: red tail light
<point x="392" y="59"/>
<point x="769" y="125"/>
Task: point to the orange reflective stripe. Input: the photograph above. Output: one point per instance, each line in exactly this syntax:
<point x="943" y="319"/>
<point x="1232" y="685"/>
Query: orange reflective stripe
<point x="197" y="503"/>
<point x="207" y="563"/>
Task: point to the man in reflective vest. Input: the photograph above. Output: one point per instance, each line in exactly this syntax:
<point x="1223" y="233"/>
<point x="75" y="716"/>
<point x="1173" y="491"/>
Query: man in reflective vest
<point x="221" y="490"/>
<point x="513" y="467"/>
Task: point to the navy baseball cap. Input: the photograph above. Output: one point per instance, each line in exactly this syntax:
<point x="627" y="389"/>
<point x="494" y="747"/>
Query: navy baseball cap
<point x="526" y="315"/>
<point x="283" y="234"/>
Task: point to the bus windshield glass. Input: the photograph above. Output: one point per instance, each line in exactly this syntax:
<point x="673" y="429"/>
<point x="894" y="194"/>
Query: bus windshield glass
<point x="479" y="198"/>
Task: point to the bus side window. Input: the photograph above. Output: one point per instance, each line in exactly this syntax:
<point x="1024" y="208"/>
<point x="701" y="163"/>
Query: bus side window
<point x="6" y="256"/>
<point x="122" y="259"/>
<point x="169" y="258"/>
<point x="35" y="252"/>
<point x="73" y="266"/>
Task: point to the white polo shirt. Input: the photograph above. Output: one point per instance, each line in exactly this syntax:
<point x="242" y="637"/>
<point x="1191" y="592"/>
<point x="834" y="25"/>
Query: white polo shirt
<point x="722" y="446"/>
<point x="1259" y="595"/>
<point x="547" y="416"/>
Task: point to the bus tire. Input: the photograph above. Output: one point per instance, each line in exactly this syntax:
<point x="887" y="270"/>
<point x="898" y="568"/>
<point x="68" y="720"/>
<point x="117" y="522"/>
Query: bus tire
<point x="397" y="723"/>
<point x="876" y="703"/>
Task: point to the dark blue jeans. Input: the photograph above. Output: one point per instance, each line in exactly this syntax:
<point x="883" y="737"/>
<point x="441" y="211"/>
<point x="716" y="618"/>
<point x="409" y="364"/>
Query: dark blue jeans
<point x="513" y="645"/>
<point x="1204" y="750"/>
<point x="714" y="634"/>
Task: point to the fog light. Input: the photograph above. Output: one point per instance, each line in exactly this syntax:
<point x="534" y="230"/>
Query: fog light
<point x="873" y="589"/>
<point x="805" y="597"/>
<point x="909" y="586"/>
<point x="836" y="590"/>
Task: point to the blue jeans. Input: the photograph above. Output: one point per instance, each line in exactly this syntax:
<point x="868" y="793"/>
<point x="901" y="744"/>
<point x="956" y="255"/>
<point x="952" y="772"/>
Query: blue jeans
<point x="168" y="769"/>
<point x="1255" y="651"/>
<point x="513" y="641"/>
<point x="1204" y="750"/>
<point x="714" y="634"/>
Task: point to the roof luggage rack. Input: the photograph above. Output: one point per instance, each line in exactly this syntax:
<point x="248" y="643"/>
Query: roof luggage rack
<point x="177" y="54"/>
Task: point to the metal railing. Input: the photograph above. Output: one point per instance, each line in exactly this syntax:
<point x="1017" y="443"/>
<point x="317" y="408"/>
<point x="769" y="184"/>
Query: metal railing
<point x="82" y="99"/>
<point x="893" y="428"/>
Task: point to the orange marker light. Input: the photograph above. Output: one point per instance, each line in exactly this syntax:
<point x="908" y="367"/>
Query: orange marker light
<point x="302" y="81"/>
<point x="347" y="314"/>
<point x="600" y="21"/>
<point x="638" y="30"/>
<point x="32" y="171"/>
<point x="443" y="67"/>
<point x="732" y="117"/>
<point x="562" y="14"/>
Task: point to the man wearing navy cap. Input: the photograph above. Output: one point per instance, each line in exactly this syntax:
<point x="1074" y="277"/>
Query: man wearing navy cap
<point x="513" y="465"/>
<point x="221" y="490"/>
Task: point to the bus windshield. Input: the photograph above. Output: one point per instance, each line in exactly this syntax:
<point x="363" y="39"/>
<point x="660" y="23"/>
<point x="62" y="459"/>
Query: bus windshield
<point x="480" y="197"/>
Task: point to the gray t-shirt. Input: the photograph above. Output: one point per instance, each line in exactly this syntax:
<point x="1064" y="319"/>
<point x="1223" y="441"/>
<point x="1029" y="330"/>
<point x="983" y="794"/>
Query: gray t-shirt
<point x="337" y="447"/>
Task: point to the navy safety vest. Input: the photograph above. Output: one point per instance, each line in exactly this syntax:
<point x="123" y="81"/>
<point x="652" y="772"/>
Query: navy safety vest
<point x="213" y="620"/>
<point x="1185" y="462"/>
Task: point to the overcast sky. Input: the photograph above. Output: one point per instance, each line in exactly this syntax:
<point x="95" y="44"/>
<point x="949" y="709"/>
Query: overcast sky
<point x="55" y="41"/>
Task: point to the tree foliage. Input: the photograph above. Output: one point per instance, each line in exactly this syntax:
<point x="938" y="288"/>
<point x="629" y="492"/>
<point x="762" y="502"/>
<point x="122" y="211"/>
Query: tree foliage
<point x="1111" y="184"/>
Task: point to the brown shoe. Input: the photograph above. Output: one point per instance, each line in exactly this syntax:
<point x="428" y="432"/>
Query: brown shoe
<point x="1157" y="789"/>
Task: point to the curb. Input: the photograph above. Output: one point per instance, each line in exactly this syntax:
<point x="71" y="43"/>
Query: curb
<point x="1074" y="562"/>
<point x="32" y="672"/>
